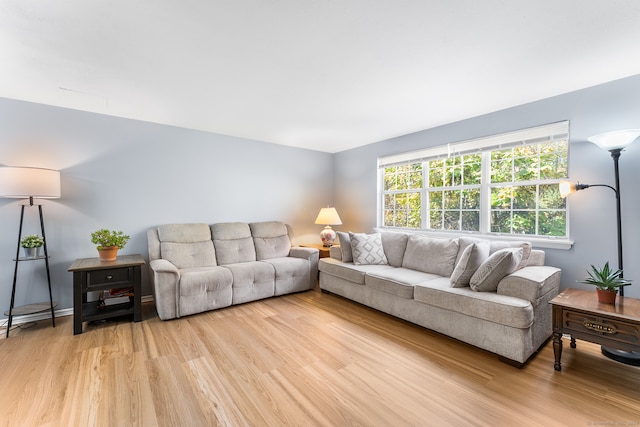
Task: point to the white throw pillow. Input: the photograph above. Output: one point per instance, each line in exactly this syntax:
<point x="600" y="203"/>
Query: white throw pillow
<point x="367" y="249"/>
<point x="496" y="267"/>
<point x="471" y="259"/>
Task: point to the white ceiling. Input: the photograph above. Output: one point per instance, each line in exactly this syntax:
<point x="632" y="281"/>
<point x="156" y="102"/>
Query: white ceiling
<point x="327" y="75"/>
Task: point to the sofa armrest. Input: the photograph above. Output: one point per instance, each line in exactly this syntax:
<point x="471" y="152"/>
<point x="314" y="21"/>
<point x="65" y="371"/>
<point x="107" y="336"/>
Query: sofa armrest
<point x="531" y="283"/>
<point x="536" y="258"/>
<point x="165" y="278"/>
<point x="310" y="254"/>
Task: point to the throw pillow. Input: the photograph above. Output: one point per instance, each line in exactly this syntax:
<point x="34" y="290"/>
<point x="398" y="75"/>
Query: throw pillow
<point x="431" y="255"/>
<point x="496" y="267"/>
<point x="345" y="246"/>
<point x="471" y="259"/>
<point x="496" y="245"/>
<point x="367" y="249"/>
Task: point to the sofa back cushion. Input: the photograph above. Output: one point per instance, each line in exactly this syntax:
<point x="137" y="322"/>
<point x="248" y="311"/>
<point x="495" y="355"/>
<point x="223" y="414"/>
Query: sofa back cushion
<point x="187" y="245"/>
<point x="271" y="239"/>
<point x="394" y="244"/>
<point x="233" y="243"/>
<point x="431" y="255"/>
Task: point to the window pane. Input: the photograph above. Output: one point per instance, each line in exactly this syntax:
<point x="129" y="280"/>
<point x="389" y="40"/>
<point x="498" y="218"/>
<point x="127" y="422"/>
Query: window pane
<point x="500" y="221"/>
<point x="471" y="198"/>
<point x="553" y="223"/>
<point x="524" y="197"/>
<point x="452" y="220"/>
<point x="400" y="219"/>
<point x="501" y="165"/>
<point x="452" y="199"/>
<point x="549" y="197"/>
<point x="435" y="199"/>
<point x="472" y="171"/>
<point x="388" y="218"/>
<point x="436" y="173"/>
<point x="435" y="217"/>
<point x="525" y="168"/>
<point x="501" y="197"/>
<point x="471" y="220"/>
<point x="414" y="220"/>
<point x="524" y="222"/>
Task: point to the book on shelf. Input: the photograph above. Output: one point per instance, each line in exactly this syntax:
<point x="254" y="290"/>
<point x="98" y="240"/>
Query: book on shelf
<point x="115" y="296"/>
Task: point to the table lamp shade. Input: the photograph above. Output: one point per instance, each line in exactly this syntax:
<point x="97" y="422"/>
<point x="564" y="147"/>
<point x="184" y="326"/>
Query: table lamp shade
<point x="22" y="183"/>
<point x="328" y="216"/>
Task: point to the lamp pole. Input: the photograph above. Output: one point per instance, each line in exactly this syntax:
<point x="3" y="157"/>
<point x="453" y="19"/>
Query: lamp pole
<point x="615" y="155"/>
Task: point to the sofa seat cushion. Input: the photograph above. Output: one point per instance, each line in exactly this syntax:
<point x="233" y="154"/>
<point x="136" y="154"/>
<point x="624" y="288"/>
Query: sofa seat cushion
<point x="194" y="281"/>
<point x="349" y="271"/>
<point x="252" y="281"/>
<point x="501" y="309"/>
<point x="203" y="288"/>
<point x="399" y="281"/>
<point x="291" y="274"/>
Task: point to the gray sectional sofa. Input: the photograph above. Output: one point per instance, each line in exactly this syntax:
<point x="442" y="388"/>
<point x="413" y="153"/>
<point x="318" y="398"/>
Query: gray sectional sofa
<point x="491" y="294"/>
<point x="200" y="267"/>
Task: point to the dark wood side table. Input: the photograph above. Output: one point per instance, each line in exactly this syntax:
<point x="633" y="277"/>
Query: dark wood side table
<point x="91" y="275"/>
<point x="578" y="313"/>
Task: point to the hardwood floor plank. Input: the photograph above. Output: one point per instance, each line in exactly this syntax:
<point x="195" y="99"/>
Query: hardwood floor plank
<point x="305" y="359"/>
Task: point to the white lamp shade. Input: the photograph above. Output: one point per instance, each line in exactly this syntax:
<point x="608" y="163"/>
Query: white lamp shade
<point x="615" y="140"/>
<point x="566" y="188"/>
<point x="328" y="216"/>
<point x="22" y="183"/>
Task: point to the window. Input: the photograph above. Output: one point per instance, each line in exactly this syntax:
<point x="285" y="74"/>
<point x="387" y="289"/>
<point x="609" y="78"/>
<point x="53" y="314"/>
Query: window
<point x="503" y="184"/>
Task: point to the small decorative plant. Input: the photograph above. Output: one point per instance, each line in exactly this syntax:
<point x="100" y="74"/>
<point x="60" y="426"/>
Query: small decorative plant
<point x="605" y="278"/>
<point x="32" y="241"/>
<point x="105" y="238"/>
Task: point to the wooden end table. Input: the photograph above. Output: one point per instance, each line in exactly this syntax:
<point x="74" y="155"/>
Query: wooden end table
<point x="91" y="274"/>
<point x="578" y="313"/>
<point x="325" y="251"/>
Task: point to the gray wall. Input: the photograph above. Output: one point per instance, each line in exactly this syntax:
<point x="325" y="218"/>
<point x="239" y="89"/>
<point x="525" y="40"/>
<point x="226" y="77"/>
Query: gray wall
<point x="602" y="108"/>
<point x="131" y="175"/>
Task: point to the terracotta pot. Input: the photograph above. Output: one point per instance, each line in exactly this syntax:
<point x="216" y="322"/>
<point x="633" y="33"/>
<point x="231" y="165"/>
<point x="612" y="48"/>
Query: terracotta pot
<point x="108" y="253"/>
<point x="606" y="297"/>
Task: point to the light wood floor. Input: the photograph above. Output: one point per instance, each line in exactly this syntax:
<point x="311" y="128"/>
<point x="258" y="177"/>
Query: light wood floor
<point x="302" y="360"/>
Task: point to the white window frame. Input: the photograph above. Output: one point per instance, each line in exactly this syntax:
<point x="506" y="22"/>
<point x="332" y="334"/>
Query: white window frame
<point x="541" y="134"/>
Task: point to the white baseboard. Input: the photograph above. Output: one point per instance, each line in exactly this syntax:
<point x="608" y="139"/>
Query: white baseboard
<point x="45" y="315"/>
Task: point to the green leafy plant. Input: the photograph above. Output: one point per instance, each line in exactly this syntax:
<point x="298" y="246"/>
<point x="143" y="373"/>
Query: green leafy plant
<point x="605" y="278"/>
<point x="32" y="241"/>
<point x="105" y="238"/>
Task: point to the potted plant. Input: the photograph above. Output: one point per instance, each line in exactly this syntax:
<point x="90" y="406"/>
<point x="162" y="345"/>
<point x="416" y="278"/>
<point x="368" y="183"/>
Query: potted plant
<point x="31" y="245"/>
<point x="606" y="281"/>
<point x="109" y="242"/>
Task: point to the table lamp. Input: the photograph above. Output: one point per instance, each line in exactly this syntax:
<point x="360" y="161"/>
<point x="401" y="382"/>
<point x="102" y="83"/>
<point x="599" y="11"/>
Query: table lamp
<point x="328" y="216"/>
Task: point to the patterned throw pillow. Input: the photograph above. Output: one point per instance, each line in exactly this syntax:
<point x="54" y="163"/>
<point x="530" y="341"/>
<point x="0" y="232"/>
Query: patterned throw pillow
<point x="367" y="249"/>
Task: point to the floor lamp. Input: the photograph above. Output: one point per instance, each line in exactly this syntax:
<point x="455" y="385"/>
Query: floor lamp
<point x="29" y="183"/>
<point x="614" y="142"/>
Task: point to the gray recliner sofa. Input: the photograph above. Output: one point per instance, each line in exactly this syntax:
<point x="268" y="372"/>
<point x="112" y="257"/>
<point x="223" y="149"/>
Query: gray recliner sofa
<point x="200" y="267"/>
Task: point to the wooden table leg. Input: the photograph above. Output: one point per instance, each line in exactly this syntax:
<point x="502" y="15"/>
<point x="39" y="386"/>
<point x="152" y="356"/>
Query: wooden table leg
<point x="557" y="348"/>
